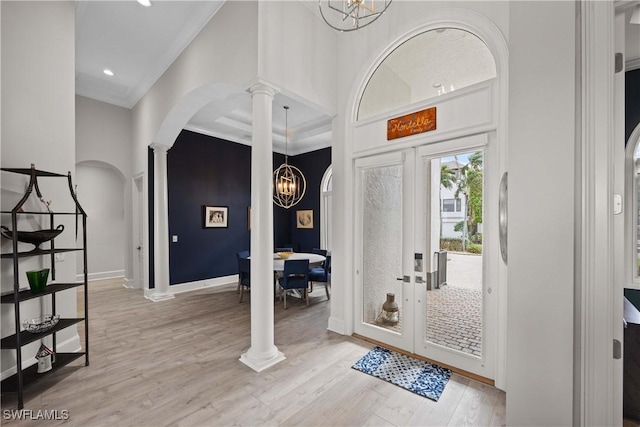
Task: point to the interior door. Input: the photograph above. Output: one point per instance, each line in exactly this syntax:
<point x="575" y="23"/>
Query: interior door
<point x="455" y="236"/>
<point x="384" y="209"/>
<point x="138" y="226"/>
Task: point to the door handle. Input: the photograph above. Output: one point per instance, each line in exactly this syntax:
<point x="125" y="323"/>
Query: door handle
<point x="405" y="279"/>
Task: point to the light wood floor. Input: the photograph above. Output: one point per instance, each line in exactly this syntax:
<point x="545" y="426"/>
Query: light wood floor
<point x="176" y="363"/>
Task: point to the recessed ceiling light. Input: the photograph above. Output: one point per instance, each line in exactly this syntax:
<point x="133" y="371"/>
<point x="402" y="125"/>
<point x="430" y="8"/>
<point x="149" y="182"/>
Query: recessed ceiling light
<point x="145" y="3"/>
<point x="108" y="72"/>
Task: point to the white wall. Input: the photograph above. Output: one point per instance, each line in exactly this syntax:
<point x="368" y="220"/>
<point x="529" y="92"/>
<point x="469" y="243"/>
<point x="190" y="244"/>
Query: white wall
<point x="101" y="193"/>
<point x="296" y="52"/>
<point x="541" y="213"/>
<point x="358" y="52"/>
<point x="541" y="138"/>
<point x="38" y="106"/>
<point x="103" y="133"/>
<point x="224" y="53"/>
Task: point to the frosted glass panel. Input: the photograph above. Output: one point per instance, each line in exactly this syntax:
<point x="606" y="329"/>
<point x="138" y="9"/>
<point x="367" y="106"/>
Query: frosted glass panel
<point x="382" y="240"/>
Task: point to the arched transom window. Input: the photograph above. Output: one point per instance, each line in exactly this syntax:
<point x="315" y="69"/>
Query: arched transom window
<point x="428" y="65"/>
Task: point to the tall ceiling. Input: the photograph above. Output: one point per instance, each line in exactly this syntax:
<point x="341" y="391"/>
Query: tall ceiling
<point x="139" y="43"/>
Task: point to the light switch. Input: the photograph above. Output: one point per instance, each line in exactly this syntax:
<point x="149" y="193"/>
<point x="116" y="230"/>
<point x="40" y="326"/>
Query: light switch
<point x="174" y="238"/>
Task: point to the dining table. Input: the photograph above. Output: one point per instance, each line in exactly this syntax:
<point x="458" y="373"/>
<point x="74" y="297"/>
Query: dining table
<point x="314" y="260"/>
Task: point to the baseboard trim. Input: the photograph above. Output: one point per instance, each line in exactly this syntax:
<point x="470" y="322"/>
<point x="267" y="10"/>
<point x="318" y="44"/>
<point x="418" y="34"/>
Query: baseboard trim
<point x="101" y="275"/>
<point x="180" y="288"/>
<point x="201" y="284"/>
<point x="462" y="372"/>
<point x="128" y="283"/>
<point x="336" y="325"/>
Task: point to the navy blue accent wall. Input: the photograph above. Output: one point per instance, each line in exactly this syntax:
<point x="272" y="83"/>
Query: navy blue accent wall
<point x="632" y="106"/>
<point x="313" y="165"/>
<point x="205" y="171"/>
<point x="150" y="181"/>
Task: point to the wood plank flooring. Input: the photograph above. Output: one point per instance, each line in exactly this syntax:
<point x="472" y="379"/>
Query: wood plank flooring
<point x="176" y="363"/>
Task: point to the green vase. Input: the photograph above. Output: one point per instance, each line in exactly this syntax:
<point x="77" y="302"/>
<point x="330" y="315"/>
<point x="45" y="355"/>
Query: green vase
<point x="38" y="279"/>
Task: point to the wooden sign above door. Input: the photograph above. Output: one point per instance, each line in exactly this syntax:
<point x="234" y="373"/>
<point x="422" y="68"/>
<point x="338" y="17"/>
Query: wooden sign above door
<point x="411" y="124"/>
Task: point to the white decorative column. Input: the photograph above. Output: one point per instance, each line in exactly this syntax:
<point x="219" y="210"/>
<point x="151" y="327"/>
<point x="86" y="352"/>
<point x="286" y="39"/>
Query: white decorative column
<point x="160" y="225"/>
<point x="263" y="353"/>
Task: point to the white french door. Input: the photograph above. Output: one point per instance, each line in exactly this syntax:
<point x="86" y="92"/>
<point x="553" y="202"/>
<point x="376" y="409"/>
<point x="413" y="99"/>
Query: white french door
<point x="384" y="206"/>
<point x="404" y="214"/>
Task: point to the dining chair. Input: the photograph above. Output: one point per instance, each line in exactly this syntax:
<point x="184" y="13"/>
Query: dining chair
<point x="244" y="275"/>
<point x="295" y="276"/>
<point x="319" y="251"/>
<point x="322" y="274"/>
<point x="241" y="254"/>
<point x="322" y="252"/>
<point x="295" y="247"/>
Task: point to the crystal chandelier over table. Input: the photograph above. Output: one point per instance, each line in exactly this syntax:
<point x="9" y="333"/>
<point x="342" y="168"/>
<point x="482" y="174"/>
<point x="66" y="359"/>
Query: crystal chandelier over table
<point x="351" y="15"/>
<point x="289" y="184"/>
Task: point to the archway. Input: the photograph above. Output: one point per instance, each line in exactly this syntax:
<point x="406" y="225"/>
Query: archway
<point x="367" y="141"/>
<point x="101" y="191"/>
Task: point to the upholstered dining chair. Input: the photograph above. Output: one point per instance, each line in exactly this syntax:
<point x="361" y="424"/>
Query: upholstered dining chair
<point x="319" y="251"/>
<point x="294" y="246"/>
<point x="244" y="275"/>
<point x="322" y="252"/>
<point x="322" y="274"/>
<point x="241" y="254"/>
<point x="295" y="276"/>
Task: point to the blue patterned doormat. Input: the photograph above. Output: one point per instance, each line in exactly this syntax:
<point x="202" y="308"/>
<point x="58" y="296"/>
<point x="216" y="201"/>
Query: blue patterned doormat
<point x="415" y="375"/>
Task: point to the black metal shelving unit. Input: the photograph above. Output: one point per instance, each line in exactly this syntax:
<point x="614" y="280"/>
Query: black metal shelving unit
<point x="26" y="377"/>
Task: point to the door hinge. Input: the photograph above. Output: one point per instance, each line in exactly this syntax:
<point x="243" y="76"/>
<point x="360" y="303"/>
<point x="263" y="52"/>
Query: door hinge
<point x="619" y="62"/>
<point x="617" y="349"/>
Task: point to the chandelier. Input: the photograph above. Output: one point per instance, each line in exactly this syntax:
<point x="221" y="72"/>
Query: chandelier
<point x="289" y="184"/>
<point x="351" y="15"/>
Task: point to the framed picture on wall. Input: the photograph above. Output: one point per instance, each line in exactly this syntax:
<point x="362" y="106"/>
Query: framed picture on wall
<point x="216" y="216"/>
<point x="304" y="218"/>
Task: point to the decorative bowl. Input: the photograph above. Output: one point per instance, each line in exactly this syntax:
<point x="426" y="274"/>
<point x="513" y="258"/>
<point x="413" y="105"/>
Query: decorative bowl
<point x="41" y="324"/>
<point x="34" y="237"/>
<point x="284" y="255"/>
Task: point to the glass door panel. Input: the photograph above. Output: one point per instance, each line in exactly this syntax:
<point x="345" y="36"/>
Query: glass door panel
<point x="384" y="216"/>
<point x="381" y="242"/>
<point x="452" y="305"/>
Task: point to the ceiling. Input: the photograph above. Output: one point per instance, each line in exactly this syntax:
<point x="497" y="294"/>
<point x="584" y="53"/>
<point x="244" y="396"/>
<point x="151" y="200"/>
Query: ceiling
<point x="139" y="43"/>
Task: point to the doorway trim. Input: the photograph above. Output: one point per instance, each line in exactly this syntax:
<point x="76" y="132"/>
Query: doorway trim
<point x="140" y="227"/>
<point x="325" y="204"/>
<point x="597" y="375"/>
<point x="490" y="34"/>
